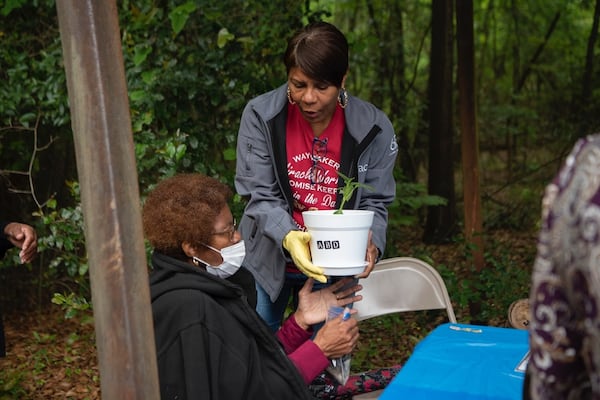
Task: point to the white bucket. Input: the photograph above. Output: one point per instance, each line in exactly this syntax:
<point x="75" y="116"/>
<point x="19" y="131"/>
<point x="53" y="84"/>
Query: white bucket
<point x="338" y="242"/>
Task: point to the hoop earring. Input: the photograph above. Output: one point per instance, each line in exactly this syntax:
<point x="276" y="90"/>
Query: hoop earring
<point x="343" y="98"/>
<point x="289" y="96"/>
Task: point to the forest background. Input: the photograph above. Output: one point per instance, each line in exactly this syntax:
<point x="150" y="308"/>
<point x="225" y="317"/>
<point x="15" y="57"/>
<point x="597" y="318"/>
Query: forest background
<point x="192" y="66"/>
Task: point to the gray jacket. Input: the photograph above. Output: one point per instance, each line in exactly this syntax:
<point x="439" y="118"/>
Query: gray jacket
<point x="369" y="151"/>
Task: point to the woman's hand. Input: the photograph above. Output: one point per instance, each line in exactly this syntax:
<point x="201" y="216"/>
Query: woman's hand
<point x="371" y="258"/>
<point x="24" y="237"/>
<point x="313" y="305"/>
<point x="337" y="337"/>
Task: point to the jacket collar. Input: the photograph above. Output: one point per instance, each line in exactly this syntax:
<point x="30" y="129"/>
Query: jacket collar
<point x="172" y="274"/>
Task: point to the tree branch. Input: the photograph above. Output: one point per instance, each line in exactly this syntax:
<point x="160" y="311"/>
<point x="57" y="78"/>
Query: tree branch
<point x="29" y="173"/>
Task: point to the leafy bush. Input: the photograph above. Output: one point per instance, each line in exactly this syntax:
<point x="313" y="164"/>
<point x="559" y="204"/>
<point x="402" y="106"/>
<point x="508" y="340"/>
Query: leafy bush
<point x="411" y="200"/>
<point x="189" y="72"/>
<point x="504" y="279"/>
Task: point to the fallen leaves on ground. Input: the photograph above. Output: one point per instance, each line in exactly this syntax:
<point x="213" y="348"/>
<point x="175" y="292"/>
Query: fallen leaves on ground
<point x="48" y="357"/>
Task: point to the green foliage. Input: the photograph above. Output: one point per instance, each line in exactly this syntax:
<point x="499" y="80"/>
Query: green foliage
<point x="63" y="246"/>
<point x="72" y="304"/>
<point x="11" y="385"/>
<point x="398" y="334"/>
<point x="31" y="67"/>
<point x="180" y="15"/>
<point x="521" y="209"/>
<point x="502" y="281"/>
<point x="410" y="202"/>
<point x="411" y="198"/>
<point x="33" y="90"/>
<point x="190" y="71"/>
<point x="10" y="5"/>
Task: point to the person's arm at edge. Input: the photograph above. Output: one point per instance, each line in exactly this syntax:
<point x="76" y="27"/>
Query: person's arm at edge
<point x="24" y="237"/>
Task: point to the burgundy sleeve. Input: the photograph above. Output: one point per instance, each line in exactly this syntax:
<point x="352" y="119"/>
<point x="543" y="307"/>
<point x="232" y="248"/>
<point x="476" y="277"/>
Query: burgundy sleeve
<point x="303" y="352"/>
<point x="291" y="335"/>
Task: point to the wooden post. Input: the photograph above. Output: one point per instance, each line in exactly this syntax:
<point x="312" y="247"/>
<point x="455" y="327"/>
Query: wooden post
<point x="93" y="59"/>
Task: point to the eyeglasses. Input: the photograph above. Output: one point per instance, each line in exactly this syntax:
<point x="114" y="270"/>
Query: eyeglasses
<point x="317" y="172"/>
<point x="229" y="231"/>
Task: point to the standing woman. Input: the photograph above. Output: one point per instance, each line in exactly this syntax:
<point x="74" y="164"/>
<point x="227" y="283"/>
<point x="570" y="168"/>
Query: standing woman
<point x="292" y="142"/>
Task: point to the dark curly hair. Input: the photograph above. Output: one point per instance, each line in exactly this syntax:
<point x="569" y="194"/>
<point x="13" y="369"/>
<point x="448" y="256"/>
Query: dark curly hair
<point x="183" y="208"/>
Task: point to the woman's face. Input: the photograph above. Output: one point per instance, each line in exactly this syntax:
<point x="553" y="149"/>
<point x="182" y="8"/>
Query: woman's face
<point x="224" y="234"/>
<point x="316" y="100"/>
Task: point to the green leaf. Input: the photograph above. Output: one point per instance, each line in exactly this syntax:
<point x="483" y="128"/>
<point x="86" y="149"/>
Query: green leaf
<point x="223" y="37"/>
<point x="11" y="5"/>
<point x="149" y="76"/>
<point x="141" y="53"/>
<point x="137" y="95"/>
<point x="180" y="15"/>
<point x="180" y="151"/>
<point x="229" y="154"/>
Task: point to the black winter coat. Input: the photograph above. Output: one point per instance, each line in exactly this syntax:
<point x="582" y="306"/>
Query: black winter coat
<point x="211" y="344"/>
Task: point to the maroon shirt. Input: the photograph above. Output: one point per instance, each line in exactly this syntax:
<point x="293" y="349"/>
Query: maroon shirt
<point x="313" y="162"/>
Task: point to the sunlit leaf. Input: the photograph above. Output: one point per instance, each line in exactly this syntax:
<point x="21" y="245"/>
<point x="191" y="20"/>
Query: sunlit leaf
<point x="223" y="37"/>
<point x="180" y="15"/>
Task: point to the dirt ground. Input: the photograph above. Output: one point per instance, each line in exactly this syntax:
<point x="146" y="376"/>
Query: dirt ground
<point x="48" y="357"/>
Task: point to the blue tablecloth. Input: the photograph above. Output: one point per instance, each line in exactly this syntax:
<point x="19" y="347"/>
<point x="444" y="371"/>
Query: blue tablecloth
<point x="457" y="361"/>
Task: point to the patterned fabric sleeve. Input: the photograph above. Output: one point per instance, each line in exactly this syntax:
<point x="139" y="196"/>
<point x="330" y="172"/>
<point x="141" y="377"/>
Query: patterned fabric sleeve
<point x="565" y="294"/>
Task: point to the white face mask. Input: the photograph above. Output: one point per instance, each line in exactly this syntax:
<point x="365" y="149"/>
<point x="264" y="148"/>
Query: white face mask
<point x="233" y="256"/>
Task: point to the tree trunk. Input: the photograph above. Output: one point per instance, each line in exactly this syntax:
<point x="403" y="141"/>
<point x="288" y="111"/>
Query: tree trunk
<point x="390" y="84"/>
<point x="586" y="89"/>
<point x="468" y="126"/>
<point x="587" y="82"/>
<point x="441" y="220"/>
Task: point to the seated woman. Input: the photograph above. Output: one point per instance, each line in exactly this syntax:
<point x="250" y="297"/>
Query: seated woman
<point x="210" y="342"/>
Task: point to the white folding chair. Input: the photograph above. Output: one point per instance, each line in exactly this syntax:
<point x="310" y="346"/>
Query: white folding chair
<point x="401" y="284"/>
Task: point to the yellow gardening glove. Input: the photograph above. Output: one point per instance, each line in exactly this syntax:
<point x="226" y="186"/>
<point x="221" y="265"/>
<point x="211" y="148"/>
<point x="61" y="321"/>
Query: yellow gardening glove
<point x="296" y="243"/>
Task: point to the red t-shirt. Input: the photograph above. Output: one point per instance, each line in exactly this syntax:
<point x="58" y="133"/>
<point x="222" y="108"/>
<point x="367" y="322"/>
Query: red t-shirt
<point x="312" y="162"/>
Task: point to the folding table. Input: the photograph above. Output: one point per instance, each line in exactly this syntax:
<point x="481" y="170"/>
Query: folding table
<point x="458" y="361"/>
